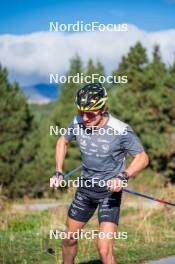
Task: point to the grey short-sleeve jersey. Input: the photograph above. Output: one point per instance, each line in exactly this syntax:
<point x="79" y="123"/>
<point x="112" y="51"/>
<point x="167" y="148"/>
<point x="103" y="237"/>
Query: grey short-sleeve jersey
<point x="104" y="150"/>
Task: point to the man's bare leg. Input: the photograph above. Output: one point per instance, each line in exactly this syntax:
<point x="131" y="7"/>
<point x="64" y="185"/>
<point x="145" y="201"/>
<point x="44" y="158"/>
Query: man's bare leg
<point x="70" y="244"/>
<point x="105" y="245"/>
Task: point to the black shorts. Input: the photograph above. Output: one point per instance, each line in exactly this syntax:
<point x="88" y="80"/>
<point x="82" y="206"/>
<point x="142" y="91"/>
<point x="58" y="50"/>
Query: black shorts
<point x="84" y="205"/>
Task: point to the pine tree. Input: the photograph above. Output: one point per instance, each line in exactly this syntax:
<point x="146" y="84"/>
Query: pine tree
<point x="125" y="99"/>
<point x="146" y="103"/>
<point x="16" y="125"/>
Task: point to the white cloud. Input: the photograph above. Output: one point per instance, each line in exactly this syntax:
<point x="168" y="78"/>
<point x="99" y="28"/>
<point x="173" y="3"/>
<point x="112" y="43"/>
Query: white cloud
<point x="30" y="58"/>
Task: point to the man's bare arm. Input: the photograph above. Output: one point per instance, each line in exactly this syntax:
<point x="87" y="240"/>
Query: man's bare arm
<point x="61" y="150"/>
<point x="139" y="162"/>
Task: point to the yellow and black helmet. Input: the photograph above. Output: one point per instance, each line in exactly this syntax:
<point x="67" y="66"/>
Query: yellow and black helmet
<point x="91" y="97"/>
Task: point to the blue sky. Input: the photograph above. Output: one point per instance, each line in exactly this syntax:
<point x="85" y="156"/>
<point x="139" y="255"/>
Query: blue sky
<point x="21" y="17"/>
<point x="30" y="58"/>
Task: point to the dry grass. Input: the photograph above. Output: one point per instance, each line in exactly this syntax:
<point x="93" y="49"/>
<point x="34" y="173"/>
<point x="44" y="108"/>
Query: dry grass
<point x="151" y="231"/>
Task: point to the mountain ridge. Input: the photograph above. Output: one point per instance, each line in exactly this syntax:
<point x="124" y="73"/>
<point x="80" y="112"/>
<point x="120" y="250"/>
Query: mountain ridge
<point x="41" y="93"/>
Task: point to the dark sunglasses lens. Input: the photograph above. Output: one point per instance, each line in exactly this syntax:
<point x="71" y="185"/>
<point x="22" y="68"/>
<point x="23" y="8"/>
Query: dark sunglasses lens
<point x="88" y="114"/>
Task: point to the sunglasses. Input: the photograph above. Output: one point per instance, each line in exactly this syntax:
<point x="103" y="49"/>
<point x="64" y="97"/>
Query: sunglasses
<point x="89" y="114"/>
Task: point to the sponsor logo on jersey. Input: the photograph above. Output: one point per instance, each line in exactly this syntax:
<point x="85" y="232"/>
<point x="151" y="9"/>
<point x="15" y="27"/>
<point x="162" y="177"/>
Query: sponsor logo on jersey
<point x="83" y="142"/>
<point x="93" y="144"/>
<point x="102" y="140"/>
<point x="94" y="150"/>
<point x="105" y="147"/>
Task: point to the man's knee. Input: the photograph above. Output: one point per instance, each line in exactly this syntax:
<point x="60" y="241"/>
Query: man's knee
<point x="104" y="252"/>
<point x="69" y="239"/>
<point x="104" y="249"/>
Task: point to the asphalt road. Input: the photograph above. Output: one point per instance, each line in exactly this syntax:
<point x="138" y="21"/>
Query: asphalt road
<point x="169" y="260"/>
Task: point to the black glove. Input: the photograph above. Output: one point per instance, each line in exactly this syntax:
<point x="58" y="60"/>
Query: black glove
<point x="58" y="173"/>
<point x="123" y="175"/>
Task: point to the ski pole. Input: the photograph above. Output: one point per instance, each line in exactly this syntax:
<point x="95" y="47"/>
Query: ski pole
<point x="148" y="197"/>
<point x="72" y="172"/>
<point x="127" y="190"/>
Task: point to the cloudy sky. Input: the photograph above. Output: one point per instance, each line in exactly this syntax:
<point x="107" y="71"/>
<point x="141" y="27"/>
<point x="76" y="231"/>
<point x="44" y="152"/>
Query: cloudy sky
<point x="31" y="52"/>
